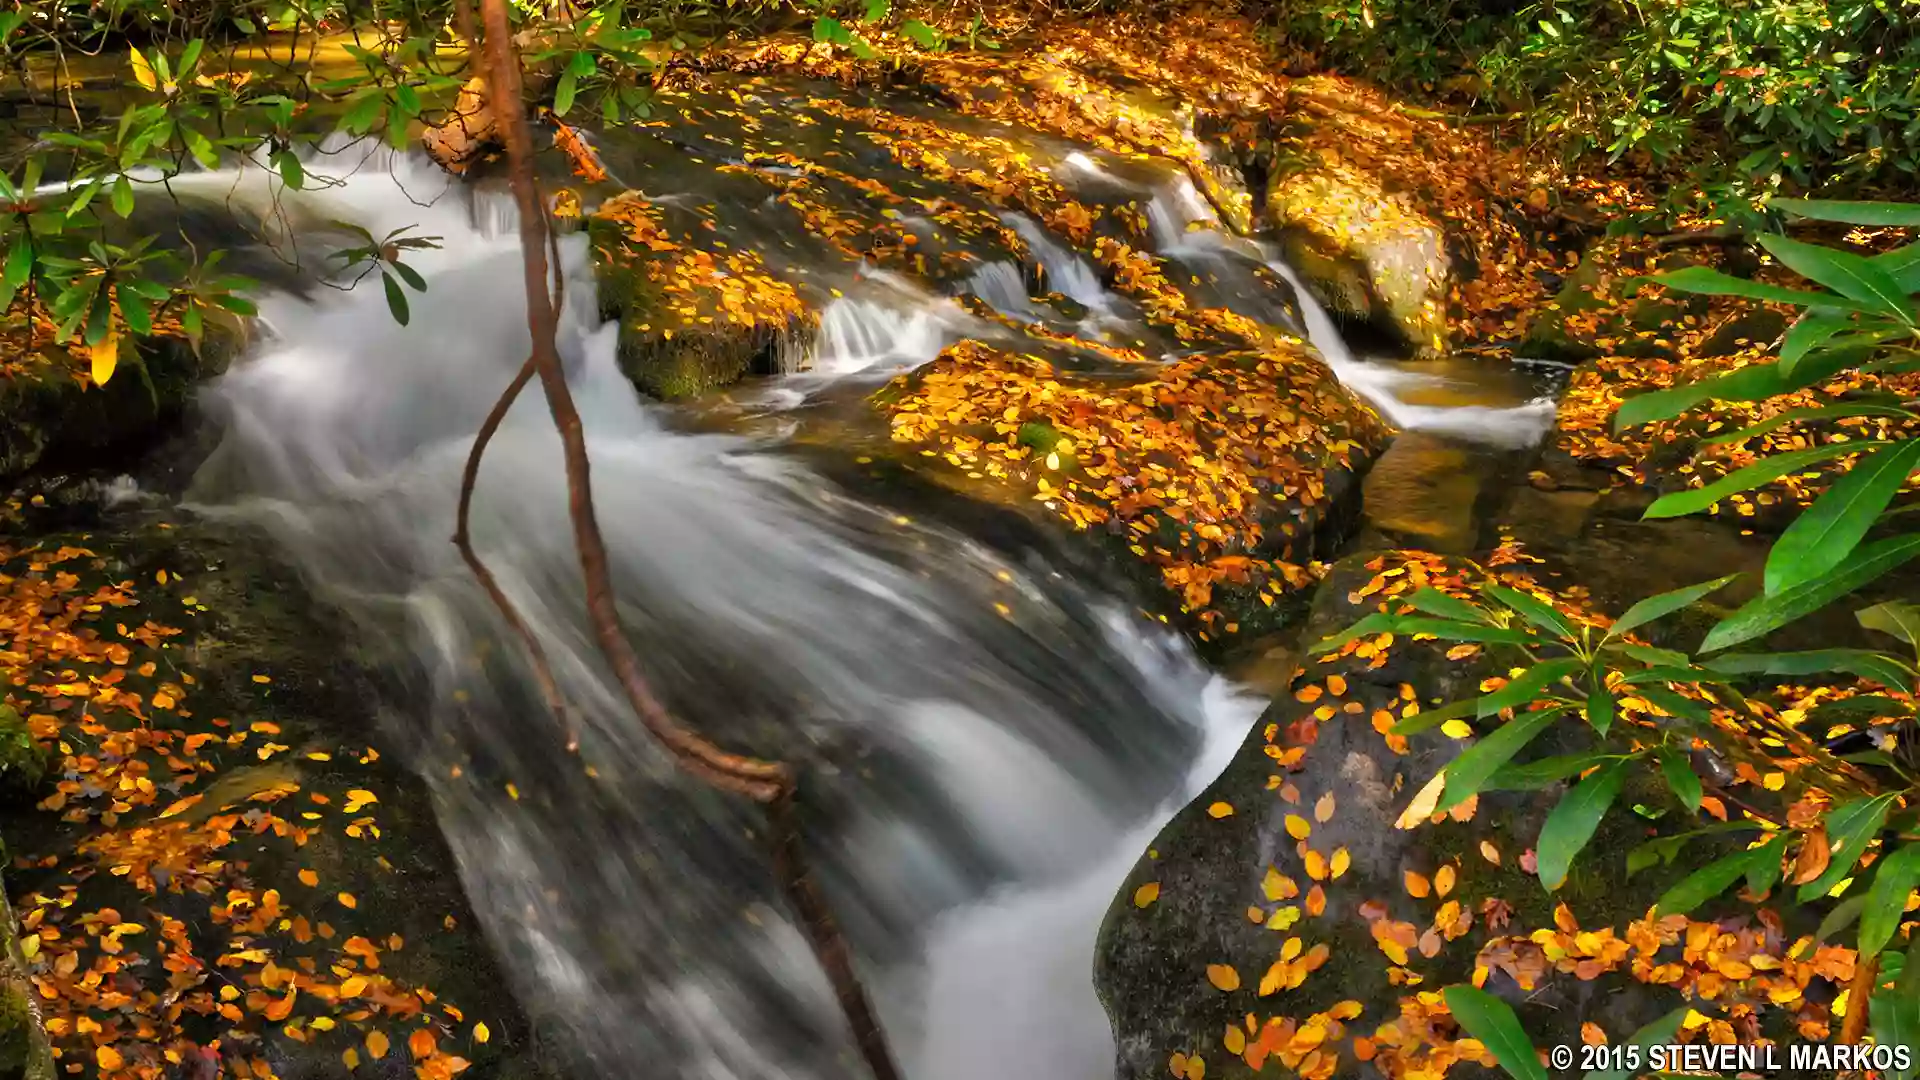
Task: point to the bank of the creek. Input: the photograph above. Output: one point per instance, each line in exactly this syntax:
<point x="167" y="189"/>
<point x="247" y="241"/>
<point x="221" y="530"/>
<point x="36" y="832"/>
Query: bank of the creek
<point x="987" y="435"/>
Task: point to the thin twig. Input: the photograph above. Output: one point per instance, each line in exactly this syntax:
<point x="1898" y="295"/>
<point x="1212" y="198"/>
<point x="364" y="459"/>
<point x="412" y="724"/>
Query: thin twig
<point x="767" y="782"/>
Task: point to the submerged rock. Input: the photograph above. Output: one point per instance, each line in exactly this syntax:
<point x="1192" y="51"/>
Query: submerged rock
<point x="1283" y="917"/>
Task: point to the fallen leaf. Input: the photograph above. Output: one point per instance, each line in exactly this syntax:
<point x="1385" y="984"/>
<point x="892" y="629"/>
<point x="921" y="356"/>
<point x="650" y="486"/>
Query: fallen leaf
<point x="1223" y="977"/>
<point x="1146" y="894"/>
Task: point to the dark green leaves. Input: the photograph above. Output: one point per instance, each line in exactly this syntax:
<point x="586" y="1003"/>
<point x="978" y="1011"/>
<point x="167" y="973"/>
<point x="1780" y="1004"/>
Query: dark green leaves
<point x="1469" y="773"/>
<point x="1434" y="602"/>
<point x="1823" y="536"/>
<point x="1574" y="819"/>
<point x="1862" y="662"/>
<point x="1899" y="873"/>
<point x="1895" y="617"/>
<point x="1681" y="778"/>
<point x="1764" y="471"/>
<point x="396" y="299"/>
<point x="1666" y="603"/>
<point x="1850" y="275"/>
<point x="1851" y="213"/>
<point x="1527" y="686"/>
<point x="1699" y="279"/>
<point x="1492" y="1021"/>
<point x="1850" y="827"/>
<point x="1713" y="879"/>
<point x="1896" y="1014"/>
<point x="1767" y="613"/>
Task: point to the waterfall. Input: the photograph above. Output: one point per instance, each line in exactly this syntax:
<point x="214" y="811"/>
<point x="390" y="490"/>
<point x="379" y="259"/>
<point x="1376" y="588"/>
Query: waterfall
<point x="985" y="740"/>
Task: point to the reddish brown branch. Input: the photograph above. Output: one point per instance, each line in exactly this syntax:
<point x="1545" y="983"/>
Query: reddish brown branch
<point x="768" y="782"/>
<point x="462" y="539"/>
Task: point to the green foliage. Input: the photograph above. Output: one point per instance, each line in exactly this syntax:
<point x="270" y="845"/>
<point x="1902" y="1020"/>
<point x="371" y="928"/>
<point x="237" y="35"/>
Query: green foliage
<point x="1860" y="313"/>
<point x="1492" y="1021"/>
<point x="1752" y="96"/>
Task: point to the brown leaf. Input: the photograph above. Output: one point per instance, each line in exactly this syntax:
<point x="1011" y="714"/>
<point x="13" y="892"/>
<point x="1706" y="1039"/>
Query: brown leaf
<point x="1814" y="855"/>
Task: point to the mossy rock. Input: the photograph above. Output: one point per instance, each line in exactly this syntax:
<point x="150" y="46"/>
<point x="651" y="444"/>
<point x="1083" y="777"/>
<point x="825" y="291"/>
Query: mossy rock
<point x="686" y="328"/>
<point x="49" y="418"/>
<point x="1370" y="256"/>
<point x="1309" y="805"/>
<point x="23" y="761"/>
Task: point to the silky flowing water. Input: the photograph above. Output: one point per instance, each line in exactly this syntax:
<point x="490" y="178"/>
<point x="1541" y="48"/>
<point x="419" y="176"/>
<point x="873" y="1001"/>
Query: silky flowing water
<point x="988" y="741"/>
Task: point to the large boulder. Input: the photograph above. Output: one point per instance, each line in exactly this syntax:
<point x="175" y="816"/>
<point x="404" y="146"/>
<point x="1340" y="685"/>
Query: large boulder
<point x="1218" y="479"/>
<point x="1283" y="917"/>
<point x="226" y="872"/>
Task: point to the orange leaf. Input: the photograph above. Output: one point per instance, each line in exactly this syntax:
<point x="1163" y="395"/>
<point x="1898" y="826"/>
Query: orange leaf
<point x="1146" y="894"/>
<point x="1417" y="885"/>
<point x="421" y="1044"/>
<point x="1223" y="977"/>
<point x="1323" y="809"/>
<point x="1443" y="881"/>
<point x="376" y="1044"/>
<point x="1814" y="855"/>
<point x="108" y="1058"/>
<point x="282" y="1008"/>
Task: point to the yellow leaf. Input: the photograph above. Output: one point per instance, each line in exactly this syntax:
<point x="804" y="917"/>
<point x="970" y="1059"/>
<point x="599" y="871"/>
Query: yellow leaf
<point x="1223" y="977"/>
<point x="104" y="355"/>
<point x="377" y="1044"/>
<point x="1284" y="918"/>
<point x="1297" y="827"/>
<point x="1220" y="810"/>
<point x="350" y="1057"/>
<point x="1316" y="866"/>
<point x="143" y="72"/>
<point x="108" y="1058"/>
<point x="480" y="1032"/>
<point x="1456" y="729"/>
<point x="1235" y="1040"/>
<point x="353" y="986"/>
<point x="1443" y="881"/>
<point x="347" y="900"/>
<point x="30" y="946"/>
<point x="1146" y="894"/>
<point x="1423" y="803"/>
<point x="1341" y="860"/>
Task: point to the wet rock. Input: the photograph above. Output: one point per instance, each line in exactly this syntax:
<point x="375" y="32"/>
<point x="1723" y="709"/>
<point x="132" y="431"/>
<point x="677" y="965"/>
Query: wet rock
<point x="695" y="315"/>
<point x="1213" y="481"/>
<point x="1425" y="491"/>
<point x="50" y="418"/>
<point x="1283" y="915"/>
<point x="227" y="809"/>
<point x="1372" y="249"/>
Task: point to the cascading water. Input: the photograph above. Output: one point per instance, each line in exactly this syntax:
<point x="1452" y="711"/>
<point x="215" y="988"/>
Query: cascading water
<point x="984" y="740"/>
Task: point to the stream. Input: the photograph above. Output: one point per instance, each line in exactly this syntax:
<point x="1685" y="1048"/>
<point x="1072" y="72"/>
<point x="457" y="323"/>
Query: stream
<point x="990" y="739"/>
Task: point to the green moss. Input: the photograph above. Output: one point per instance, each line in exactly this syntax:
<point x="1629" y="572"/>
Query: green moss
<point x="23" y="761"/>
<point x="16" y="1033"/>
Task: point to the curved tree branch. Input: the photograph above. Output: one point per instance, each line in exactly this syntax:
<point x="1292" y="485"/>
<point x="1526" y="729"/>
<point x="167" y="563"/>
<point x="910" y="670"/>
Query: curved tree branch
<point x="770" y="783"/>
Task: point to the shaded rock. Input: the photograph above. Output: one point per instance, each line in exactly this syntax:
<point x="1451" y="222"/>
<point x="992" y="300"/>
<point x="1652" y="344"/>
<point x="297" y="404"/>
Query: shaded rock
<point x="1282" y="915"/>
<point x="51" y="417"/>
<point x="229" y="802"/>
